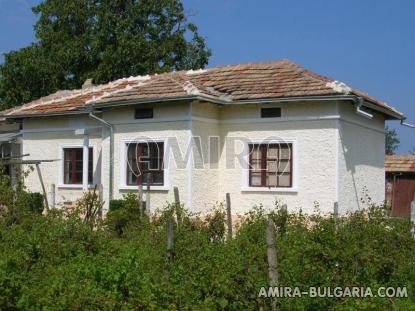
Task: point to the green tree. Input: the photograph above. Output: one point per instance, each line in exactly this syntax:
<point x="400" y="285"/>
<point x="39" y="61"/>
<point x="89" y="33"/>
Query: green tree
<point x="103" y="40"/>
<point x="392" y="141"/>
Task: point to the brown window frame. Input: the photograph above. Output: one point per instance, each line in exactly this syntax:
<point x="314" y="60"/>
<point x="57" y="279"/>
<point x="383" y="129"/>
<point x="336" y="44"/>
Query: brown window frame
<point x="77" y="152"/>
<point x="263" y="165"/>
<point x="155" y="156"/>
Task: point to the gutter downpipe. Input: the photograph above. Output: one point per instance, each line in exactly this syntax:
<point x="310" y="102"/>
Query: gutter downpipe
<point x="111" y="158"/>
<point x="403" y="123"/>
<point x="359" y="103"/>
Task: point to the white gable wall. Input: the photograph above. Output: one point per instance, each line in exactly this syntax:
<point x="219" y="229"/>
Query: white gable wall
<point x="361" y="149"/>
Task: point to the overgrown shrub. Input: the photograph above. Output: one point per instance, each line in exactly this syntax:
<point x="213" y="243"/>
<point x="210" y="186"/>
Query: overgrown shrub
<point x="124" y="212"/>
<point x="89" y="208"/>
<point x="116" y="205"/>
<point x="17" y="204"/>
<point x="59" y="263"/>
<point x="36" y="202"/>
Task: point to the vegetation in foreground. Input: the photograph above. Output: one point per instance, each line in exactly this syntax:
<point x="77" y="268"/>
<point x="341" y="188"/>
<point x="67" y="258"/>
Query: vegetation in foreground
<point x="72" y="262"/>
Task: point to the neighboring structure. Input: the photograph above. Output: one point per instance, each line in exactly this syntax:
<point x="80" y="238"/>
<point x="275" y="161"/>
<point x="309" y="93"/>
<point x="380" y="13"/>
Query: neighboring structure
<point x="261" y="132"/>
<point x="10" y="148"/>
<point x="400" y="184"/>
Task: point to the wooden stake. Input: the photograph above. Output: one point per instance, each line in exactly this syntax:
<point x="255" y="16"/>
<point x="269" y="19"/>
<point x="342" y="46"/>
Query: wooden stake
<point x="148" y="194"/>
<point x="413" y="217"/>
<point x="52" y="195"/>
<point x="272" y="259"/>
<point x="336" y="210"/>
<point x="43" y="186"/>
<point x="101" y="197"/>
<point x="170" y="239"/>
<point x="140" y="200"/>
<point x="177" y="203"/>
<point x="229" y="215"/>
<point x="101" y="192"/>
<point x="176" y="195"/>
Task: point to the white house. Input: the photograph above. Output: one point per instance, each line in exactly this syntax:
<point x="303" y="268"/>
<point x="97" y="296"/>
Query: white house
<point x="261" y="132"/>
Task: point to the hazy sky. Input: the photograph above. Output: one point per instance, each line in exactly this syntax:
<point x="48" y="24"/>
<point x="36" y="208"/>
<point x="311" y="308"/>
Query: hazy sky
<point x="367" y="44"/>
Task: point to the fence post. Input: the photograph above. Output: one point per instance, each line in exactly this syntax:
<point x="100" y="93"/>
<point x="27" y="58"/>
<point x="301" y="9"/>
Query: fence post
<point x="177" y="204"/>
<point x="140" y="200"/>
<point x="170" y="239"/>
<point x="336" y="210"/>
<point x="229" y="215"/>
<point x="413" y="217"/>
<point x="148" y="195"/>
<point x="52" y="196"/>
<point x="101" y="198"/>
<point x="176" y="195"/>
<point x="272" y="259"/>
<point x="101" y="192"/>
<point x="39" y="173"/>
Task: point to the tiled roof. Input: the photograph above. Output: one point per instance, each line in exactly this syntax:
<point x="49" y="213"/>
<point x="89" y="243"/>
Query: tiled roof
<point x="277" y="79"/>
<point x="401" y="163"/>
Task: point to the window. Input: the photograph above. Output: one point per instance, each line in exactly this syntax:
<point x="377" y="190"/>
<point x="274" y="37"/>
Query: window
<point x="145" y="164"/>
<point x="270" y="165"/>
<point x="73" y="166"/>
<point x="144" y="113"/>
<point x="270" y="112"/>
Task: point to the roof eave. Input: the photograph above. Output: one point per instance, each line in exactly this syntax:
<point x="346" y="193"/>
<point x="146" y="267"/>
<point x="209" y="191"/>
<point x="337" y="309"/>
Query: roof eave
<point x="387" y="112"/>
<point x="43" y="114"/>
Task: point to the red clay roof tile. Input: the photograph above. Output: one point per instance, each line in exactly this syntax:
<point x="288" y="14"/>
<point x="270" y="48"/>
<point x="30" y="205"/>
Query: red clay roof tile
<point x="277" y="79"/>
<point x="400" y="163"/>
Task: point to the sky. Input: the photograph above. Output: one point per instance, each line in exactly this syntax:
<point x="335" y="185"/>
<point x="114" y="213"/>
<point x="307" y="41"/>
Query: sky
<point x="368" y="44"/>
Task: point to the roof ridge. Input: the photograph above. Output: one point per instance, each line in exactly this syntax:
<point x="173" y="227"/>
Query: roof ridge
<point x="255" y="80"/>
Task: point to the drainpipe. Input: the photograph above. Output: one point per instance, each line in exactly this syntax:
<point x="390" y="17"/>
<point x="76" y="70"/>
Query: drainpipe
<point x="406" y="124"/>
<point x="359" y="104"/>
<point x="111" y="158"/>
<point x="85" y="162"/>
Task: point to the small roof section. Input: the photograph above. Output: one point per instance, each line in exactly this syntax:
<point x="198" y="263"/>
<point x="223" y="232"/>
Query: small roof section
<point x="227" y="84"/>
<point x="8" y="136"/>
<point x="400" y="163"/>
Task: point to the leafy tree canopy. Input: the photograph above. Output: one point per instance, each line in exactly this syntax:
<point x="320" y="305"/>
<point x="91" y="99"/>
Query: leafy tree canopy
<point x="392" y="141"/>
<point x="100" y="39"/>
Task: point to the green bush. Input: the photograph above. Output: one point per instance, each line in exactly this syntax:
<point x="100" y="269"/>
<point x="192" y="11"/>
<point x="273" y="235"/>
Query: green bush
<point x="124" y="212"/>
<point x="59" y="263"/>
<point x="116" y="205"/>
<point x="16" y="204"/>
<point x="36" y="202"/>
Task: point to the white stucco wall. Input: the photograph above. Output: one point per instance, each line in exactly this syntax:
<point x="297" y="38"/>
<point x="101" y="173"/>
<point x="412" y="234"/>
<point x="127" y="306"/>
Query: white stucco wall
<point x="336" y="153"/>
<point x="43" y="139"/>
<point x="313" y="178"/>
<point x="361" y="150"/>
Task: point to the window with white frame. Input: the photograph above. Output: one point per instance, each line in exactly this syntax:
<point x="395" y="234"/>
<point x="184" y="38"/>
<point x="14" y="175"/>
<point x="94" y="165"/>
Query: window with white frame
<point x="73" y="165"/>
<point x="145" y="163"/>
<point x="271" y="165"/>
